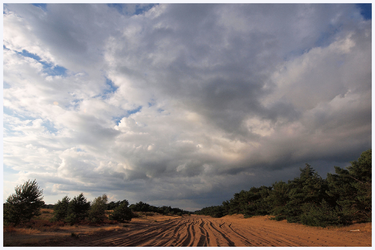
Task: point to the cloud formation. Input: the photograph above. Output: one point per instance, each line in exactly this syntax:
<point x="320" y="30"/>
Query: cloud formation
<point x="181" y="104"/>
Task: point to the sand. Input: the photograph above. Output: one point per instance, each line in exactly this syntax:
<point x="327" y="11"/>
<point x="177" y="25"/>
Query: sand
<point x="227" y="231"/>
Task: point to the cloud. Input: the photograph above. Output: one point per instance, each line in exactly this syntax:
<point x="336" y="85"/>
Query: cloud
<point x="183" y="103"/>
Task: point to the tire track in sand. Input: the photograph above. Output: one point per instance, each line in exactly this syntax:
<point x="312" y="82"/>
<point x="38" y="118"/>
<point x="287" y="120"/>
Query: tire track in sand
<point x="207" y="231"/>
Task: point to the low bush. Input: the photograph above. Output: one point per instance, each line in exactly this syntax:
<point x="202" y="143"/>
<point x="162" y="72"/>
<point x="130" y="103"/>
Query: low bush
<point x="279" y="217"/>
<point x="321" y="215"/>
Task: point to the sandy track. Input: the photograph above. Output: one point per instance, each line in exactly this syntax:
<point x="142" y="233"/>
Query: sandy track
<point x="226" y="231"/>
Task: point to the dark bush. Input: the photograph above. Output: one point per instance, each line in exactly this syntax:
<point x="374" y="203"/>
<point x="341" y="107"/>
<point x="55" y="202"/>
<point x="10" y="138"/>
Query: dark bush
<point x="321" y="215"/>
<point x="122" y="213"/>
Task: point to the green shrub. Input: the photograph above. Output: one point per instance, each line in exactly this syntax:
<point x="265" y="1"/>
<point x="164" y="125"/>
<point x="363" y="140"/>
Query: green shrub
<point x="279" y="218"/>
<point x="321" y="215"/>
<point x="122" y="213"/>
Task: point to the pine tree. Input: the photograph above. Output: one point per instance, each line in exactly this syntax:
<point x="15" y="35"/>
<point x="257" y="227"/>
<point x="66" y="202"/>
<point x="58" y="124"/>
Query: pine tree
<point x="350" y="189"/>
<point x="24" y="204"/>
<point x="257" y="202"/>
<point x="309" y="188"/>
<point x="278" y="198"/>
<point x="60" y="210"/>
<point x="96" y="213"/>
<point x="77" y="209"/>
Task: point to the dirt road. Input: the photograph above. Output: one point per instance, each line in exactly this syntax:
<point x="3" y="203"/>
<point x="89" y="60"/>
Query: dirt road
<point x="226" y="231"/>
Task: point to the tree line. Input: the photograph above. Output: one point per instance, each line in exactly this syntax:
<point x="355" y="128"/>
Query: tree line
<point x="340" y="199"/>
<point x="165" y="210"/>
<point x="27" y="202"/>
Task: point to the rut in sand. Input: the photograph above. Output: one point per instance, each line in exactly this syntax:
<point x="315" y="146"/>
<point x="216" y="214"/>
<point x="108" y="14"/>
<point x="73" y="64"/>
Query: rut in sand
<point x="226" y="231"/>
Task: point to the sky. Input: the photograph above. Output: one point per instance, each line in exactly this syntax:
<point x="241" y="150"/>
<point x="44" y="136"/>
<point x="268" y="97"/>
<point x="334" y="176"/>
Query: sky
<point x="181" y="105"/>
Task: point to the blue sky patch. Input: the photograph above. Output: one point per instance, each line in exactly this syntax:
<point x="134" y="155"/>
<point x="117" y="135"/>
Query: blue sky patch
<point x="151" y="103"/>
<point x="9" y="170"/>
<point x="111" y="87"/>
<point x="47" y="67"/>
<point x="366" y="10"/>
<point x="140" y="9"/>
<point x="134" y="110"/>
<point x="6" y="85"/>
<point x="46" y="123"/>
<point x="7" y="111"/>
<point x="75" y="103"/>
<point x="54" y="71"/>
<point x="117" y="119"/>
<point x="117" y="6"/>
<point x="11" y="112"/>
<point x="326" y="38"/>
<point x="124" y="10"/>
<point x="43" y="6"/>
<point x="49" y="126"/>
<point x="26" y="53"/>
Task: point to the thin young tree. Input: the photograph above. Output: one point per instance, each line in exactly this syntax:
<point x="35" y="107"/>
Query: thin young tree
<point x="97" y="210"/>
<point x="78" y="209"/>
<point x="60" y="210"/>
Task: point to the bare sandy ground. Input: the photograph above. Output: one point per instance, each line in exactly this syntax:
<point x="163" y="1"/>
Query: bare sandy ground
<point x="206" y="231"/>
